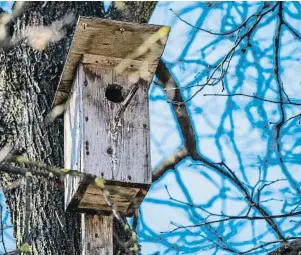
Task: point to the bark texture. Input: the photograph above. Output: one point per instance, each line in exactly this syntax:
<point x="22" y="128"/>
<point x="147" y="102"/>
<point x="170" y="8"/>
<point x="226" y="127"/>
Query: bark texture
<point x="131" y="11"/>
<point x="291" y="248"/>
<point x="28" y="80"/>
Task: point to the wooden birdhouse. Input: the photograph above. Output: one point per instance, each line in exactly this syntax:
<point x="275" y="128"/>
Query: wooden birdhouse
<point x="105" y="82"/>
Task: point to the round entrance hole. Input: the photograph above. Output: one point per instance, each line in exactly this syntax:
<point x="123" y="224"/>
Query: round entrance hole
<point x="114" y="93"/>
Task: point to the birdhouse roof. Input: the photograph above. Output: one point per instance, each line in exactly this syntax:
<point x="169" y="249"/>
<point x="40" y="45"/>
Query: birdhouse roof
<point x="120" y="45"/>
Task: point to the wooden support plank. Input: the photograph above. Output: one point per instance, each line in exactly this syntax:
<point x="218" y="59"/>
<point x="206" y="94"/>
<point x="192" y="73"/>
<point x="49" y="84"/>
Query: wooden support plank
<point x="97" y="234"/>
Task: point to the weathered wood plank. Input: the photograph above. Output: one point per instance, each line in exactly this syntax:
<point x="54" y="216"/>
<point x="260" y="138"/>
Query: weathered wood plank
<point x="89" y="198"/>
<point x="99" y="61"/>
<point x="97" y="235"/>
<point x="116" y="149"/>
<point x="91" y="147"/>
<point x="73" y="136"/>
<point x="112" y="39"/>
<point x="121" y="196"/>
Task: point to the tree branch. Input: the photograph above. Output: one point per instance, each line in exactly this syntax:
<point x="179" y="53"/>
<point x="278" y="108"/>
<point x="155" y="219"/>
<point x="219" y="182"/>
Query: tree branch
<point x="215" y="33"/>
<point x="173" y="93"/>
<point x="180" y="110"/>
<point x="253" y="96"/>
<point x="170" y="163"/>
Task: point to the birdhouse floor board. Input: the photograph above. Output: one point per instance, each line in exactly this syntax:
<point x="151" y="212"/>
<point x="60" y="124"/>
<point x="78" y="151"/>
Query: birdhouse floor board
<point x="126" y="197"/>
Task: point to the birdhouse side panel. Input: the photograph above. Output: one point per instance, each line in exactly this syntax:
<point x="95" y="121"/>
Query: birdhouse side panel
<point x="117" y="128"/>
<point x="73" y="137"/>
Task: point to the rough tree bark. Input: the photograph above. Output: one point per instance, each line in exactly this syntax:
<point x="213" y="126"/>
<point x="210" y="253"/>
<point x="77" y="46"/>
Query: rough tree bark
<point x="292" y="248"/>
<point x="28" y="80"/>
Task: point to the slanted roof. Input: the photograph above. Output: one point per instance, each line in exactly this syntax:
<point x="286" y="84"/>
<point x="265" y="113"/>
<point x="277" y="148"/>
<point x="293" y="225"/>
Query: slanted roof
<point x="119" y="44"/>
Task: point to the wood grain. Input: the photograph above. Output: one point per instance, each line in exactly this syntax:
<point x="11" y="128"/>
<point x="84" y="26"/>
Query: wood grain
<point x="114" y="39"/>
<point x="116" y="150"/>
<point x="107" y="139"/>
<point x="98" y="239"/>
<point x="73" y="137"/>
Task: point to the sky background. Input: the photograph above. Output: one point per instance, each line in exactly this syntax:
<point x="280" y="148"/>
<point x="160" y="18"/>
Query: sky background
<point x="239" y="131"/>
<point x="236" y="130"/>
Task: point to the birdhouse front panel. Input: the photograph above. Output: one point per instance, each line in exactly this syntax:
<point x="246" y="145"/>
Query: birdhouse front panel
<point x="116" y="126"/>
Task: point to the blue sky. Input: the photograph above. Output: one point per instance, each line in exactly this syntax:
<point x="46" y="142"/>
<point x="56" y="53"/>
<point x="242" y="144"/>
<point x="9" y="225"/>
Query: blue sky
<point x="238" y="130"/>
<point x="6" y="5"/>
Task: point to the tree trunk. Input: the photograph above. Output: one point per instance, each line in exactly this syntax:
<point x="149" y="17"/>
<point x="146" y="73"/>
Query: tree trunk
<point x="28" y="80"/>
<point x="291" y="248"/>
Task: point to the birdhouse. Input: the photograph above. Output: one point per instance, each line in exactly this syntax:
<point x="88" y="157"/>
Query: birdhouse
<point x="104" y="85"/>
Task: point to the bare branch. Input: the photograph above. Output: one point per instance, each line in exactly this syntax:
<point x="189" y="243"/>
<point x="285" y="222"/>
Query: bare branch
<point x="180" y="109"/>
<point x="282" y="93"/>
<point x="266" y="244"/>
<point x="215" y="33"/>
<point x="290" y="28"/>
<point x="224" y="64"/>
<point x="170" y="163"/>
<point x="190" y="143"/>
<point x="253" y="96"/>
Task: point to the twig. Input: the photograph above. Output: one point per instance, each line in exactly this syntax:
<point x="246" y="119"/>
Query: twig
<point x="169" y="163"/>
<point x="228" y="57"/>
<point x="215" y="33"/>
<point x="266" y="244"/>
<point x="253" y="96"/>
